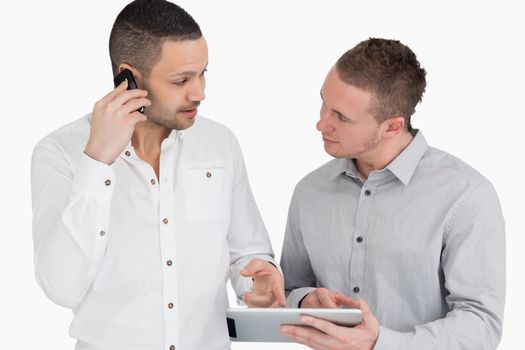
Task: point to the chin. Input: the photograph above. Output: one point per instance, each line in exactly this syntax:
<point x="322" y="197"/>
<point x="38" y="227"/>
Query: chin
<point x="331" y="152"/>
<point x="188" y="122"/>
<point x="176" y="123"/>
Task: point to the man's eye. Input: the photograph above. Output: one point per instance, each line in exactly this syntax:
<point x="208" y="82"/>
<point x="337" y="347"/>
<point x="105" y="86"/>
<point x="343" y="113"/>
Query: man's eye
<point x="341" y="117"/>
<point x="180" y="82"/>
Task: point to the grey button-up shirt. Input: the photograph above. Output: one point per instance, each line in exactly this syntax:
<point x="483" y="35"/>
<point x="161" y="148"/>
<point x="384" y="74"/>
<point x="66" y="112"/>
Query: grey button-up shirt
<point x="422" y="241"/>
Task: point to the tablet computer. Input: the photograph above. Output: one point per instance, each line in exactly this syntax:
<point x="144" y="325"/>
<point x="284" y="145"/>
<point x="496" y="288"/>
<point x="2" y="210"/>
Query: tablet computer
<point x="263" y="325"/>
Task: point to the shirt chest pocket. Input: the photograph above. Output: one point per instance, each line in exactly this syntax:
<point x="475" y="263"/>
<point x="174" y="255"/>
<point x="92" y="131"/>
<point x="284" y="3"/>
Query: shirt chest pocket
<point x="206" y="191"/>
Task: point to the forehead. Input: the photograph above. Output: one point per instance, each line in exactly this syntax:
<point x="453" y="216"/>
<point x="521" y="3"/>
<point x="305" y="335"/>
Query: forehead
<point x="342" y="96"/>
<point x="179" y="56"/>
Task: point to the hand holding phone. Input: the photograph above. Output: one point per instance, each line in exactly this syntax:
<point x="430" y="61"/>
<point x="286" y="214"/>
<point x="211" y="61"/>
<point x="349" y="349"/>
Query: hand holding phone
<point x="114" y="118"/>
<point x="126" y="74"/>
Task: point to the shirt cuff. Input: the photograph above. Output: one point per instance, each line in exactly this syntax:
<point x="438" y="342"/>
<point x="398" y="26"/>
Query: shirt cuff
<point x="296" y="295"/>
<point x="390" y="340"/>
<point x="94" y="179"/>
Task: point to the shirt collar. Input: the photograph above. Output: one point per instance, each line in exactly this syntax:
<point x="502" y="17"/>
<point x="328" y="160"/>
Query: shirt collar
<point x="403" y="166"/>
<point x="345" y="166"/>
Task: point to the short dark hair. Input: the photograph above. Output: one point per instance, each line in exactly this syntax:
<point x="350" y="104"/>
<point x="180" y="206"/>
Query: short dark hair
<point x="142" y="27"/>
<point x="390" y="71"/>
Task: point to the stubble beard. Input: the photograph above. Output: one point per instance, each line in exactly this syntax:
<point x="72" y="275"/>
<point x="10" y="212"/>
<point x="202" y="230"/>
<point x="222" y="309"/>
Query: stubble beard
<point x="158" y="115"/>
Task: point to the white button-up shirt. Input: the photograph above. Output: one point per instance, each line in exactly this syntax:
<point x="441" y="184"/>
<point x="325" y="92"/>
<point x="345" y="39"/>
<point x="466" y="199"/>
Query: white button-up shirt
<point x="143" y="262"/>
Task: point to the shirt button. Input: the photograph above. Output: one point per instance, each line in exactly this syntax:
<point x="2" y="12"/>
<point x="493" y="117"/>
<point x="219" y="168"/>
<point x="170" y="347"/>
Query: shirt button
<point x="359" y="239"/>
<point x="165" y="221"/>
<point x="107" y="182"/>
<point x="356" y="290"/>
<point x="127" y="153"/>
<point x="208" y="174"/>
<point x="368" y="193"/>
<point x="170" y="306"/>
<point x="102" y="233"/>
<point x="172" y="347"/>
<point x="153" y="182"/>
<point x="169" y="263"/>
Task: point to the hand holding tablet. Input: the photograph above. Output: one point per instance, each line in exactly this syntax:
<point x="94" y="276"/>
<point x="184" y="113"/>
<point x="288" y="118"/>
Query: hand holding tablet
<point x="263" y="325"/>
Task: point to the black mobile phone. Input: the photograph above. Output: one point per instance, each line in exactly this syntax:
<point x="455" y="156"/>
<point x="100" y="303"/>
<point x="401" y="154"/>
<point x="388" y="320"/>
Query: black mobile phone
<point x="132" y="84"/>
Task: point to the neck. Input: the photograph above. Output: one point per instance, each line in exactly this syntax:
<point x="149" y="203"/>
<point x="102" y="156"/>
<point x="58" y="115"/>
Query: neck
<point x="383" y="154"/>
<point x="146" y="140"/>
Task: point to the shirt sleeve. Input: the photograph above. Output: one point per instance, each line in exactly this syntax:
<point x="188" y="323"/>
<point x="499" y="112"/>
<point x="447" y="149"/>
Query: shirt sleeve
<point x="247" y="236"/>
<point x="299" y="278"/>
<point x="70" y="221"/>
<point x="473" y="262"/>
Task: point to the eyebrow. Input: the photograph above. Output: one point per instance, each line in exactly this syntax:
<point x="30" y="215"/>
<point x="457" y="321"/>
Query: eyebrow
<point x="187" y="73"/>
<point x="334" y="110"/>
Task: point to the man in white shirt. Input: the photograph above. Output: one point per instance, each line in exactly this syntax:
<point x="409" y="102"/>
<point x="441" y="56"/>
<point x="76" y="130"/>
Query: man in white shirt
<point x="139" y="219"/>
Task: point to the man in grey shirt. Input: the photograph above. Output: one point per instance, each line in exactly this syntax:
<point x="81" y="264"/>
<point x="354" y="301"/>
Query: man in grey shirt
<point x="411" y="235"/>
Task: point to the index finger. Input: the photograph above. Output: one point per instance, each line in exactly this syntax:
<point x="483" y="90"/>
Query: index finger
<point x="341" y="299"/>
<point x="326" y="298"/>
<point x="112" y="94"/>
<point x="125" y="96"/>
<point x="322" y="325"/>
<point x="254" y="266"/>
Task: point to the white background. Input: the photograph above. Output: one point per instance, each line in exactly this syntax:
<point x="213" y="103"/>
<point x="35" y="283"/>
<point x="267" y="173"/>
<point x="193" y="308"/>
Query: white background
<point x="268" y="60"/>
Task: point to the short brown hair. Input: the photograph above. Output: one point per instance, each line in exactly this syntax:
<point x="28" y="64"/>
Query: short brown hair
<point x="141" y="29"/>
<point x="390" y="71"/>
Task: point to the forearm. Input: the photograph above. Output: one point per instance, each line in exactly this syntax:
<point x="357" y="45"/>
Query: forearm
<point x="459" y="330"/>
<point x="63" y="269"/>
<point x="299" y="277"/>
<point x="70" y="220"/>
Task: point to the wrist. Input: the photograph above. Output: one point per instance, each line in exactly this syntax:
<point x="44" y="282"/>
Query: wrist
<point x="98" y="156"/>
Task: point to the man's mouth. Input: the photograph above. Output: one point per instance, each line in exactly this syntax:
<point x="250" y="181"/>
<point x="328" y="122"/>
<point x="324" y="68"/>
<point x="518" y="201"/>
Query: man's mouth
<point x="328" y="141"/>
<point x="190" y="112"/>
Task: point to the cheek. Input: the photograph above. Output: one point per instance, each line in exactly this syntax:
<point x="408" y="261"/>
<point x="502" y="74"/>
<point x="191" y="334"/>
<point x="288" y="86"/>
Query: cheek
<point x="170" y="98"/>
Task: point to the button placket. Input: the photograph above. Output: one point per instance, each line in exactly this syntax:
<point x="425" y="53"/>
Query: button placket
<point x="362" y="221"/>
<point x="163" y="186"/>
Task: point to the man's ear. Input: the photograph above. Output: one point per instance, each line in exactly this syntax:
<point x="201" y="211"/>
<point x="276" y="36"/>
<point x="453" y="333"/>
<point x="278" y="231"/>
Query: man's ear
<point x="394" y="126"/>
<point x="136" y="74"/>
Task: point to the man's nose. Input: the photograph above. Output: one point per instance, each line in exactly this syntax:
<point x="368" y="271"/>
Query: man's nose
<point x="196" y="92"/>
<point x="324" y="125"/>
